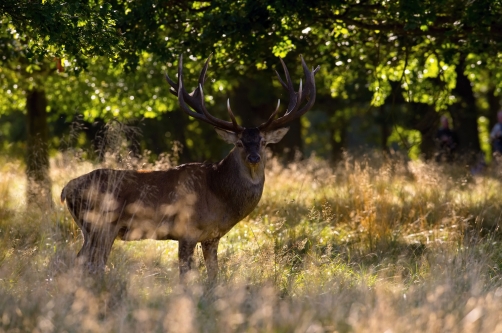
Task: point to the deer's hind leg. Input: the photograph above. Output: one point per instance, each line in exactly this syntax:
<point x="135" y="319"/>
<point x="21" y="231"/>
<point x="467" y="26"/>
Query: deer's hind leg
<point x="98" y="223"/>
<point x="186" y="249"/>
<point x="96" y="249"/>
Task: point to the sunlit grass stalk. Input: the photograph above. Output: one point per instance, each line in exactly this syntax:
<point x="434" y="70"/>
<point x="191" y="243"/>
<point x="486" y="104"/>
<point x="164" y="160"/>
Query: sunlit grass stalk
<point x="366" y="245"/>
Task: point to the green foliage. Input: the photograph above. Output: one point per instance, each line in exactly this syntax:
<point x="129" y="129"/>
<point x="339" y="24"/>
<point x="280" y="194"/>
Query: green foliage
<point x="361" y="47"/>
<point x="484" y="133"/>
<point x="407" y="140"/>
<point x="42" y="30"/>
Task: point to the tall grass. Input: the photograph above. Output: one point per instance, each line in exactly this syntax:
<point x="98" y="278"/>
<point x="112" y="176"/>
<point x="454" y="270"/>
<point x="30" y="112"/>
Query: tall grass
<point x="368" y="245"/>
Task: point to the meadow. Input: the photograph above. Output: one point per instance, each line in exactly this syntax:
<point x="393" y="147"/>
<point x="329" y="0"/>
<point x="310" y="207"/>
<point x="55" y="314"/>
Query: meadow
<point x="370" y="244"/>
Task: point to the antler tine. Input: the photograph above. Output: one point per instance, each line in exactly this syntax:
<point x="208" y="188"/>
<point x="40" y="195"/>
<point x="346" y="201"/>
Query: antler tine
<point x="271" y="118"/>
<point x="174" y="86"/>
<point x="309" y="93"/>
<point x="293" y="100"/>
<point x="287" y="75"/>
<point x="316" y="69"/>
<point x="232" y="114"/>
<point x="299" y="96"/>
<point x="202" y="76"/>
<point x="309" y="76"/>
<point x="182" y="94"/>
<point x="217" y="122"/>
<point x="231" y="126"/>
<point x="195" y="100"/>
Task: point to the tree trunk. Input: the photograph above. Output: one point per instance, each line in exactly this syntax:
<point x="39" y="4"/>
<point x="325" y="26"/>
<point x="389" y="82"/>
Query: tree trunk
<point x="178" y="122"/>
<point x="38" y="189"/>
<point x="385" y="127"/>
<point x="425" y="120"/>
<point x="465" y="115"/>
<point x="337" y="147"/>
<point x="493" y="107"/>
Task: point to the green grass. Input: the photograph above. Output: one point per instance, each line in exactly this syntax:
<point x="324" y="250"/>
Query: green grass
<point x="369" y="245"/>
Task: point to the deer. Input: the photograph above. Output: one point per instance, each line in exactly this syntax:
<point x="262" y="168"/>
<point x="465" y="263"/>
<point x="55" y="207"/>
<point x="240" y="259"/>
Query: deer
<point x="191" y="203"/>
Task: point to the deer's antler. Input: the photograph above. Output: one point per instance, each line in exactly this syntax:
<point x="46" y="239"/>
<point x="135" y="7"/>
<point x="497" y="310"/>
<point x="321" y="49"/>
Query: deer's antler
<point x="195" y="100"/>
<point x="296" y="99"/>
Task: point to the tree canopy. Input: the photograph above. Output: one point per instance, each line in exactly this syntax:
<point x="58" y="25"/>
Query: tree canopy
<point x="394" y="65"/>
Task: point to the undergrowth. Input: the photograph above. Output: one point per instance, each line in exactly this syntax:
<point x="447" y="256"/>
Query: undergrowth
<point x="366" y="245"/>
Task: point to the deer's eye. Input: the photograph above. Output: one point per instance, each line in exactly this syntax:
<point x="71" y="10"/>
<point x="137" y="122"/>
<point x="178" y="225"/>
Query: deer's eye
<point x="239" y="144"/>
<point x="263" y="142"/>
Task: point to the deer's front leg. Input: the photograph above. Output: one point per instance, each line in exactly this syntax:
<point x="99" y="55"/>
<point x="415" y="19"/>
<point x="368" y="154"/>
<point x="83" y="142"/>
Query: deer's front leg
<point x="185" y="256"/>
<point x="210" y="252"/>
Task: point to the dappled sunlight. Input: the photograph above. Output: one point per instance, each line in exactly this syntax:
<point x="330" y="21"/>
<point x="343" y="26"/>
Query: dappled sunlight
<point x="366" y="245"/>
<point x="12" y="186"/>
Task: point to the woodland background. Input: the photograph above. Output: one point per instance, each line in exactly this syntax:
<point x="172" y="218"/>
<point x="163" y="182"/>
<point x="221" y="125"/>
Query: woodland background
<point x="358" y="230"/>
<point x="389" y="69"/>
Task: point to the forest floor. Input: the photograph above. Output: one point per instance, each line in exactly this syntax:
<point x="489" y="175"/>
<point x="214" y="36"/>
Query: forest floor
<point x="368" y="245"/>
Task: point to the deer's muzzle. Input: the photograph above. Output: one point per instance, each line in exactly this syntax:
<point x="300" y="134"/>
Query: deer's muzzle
<point x="254" y="158"/>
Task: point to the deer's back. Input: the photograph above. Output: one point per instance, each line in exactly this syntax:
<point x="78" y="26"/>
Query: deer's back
<point x="170" y="204"/>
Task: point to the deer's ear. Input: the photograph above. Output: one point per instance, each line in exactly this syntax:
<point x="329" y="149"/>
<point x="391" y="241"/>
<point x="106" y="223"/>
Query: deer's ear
<point x="276" y="135"/>
<point x="228" y="137"/>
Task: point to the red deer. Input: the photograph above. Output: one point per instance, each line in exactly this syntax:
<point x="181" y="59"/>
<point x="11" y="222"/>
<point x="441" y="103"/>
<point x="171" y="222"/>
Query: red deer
<point x="191" y="203"/>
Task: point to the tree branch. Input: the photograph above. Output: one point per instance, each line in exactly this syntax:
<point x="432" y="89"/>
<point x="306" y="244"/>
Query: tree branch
<point x="400" y="28"/>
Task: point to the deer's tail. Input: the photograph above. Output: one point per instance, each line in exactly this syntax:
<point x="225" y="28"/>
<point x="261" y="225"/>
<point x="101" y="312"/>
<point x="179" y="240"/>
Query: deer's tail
<point x="63" y="194"/>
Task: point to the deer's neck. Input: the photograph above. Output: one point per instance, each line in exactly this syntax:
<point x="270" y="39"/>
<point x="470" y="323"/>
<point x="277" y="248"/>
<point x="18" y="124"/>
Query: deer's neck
<point x="239" y="185"/>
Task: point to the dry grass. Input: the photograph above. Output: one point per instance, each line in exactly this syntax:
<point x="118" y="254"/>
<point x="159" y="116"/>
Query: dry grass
<point x="366" y="246"/>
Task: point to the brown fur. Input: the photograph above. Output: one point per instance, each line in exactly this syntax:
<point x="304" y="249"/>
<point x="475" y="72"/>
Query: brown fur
<point x="191" y="203"/>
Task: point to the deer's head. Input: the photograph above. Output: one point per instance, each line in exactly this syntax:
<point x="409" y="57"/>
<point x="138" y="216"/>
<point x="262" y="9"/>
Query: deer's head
<point x="249" y="143"/>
